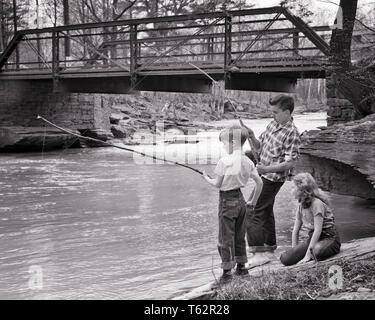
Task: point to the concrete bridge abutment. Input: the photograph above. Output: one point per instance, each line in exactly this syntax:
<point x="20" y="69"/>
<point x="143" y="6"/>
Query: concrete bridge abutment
<point x="23" y="100"/>
<point x="340" y="110"/>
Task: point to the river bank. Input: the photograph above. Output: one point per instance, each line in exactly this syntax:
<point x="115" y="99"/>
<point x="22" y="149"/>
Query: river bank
<point x="353" y="270"/>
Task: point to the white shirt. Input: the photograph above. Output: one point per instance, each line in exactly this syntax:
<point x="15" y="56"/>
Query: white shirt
<point x="236" y="169"/>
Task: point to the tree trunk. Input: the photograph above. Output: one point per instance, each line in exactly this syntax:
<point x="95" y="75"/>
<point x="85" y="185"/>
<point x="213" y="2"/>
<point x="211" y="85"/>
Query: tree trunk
<point x="309" y="93"/>
<point x="105" y="35"/>
<point x="15" y="22"/>
<point x="354" y="87"/>
<point x="66" y="23"/>
<point x="154" y="8"/>
<point x="37" y="26"/>
<point x="85" y="53"/>
<point x="342" y="36"/>
<point x="114" y="29"/>
<point x="2" y="26"/>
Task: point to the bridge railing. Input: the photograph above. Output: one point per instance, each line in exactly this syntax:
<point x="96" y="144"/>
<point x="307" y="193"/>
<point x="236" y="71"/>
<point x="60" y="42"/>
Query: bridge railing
<point x="211" y="42"/>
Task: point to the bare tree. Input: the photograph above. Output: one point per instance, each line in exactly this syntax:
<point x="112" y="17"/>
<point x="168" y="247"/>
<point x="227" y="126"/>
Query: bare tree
<point x="2" y="25"/>
<point x="12" y="13"/>
<point x="342" y="36"/>
<point x="356" y="84"/>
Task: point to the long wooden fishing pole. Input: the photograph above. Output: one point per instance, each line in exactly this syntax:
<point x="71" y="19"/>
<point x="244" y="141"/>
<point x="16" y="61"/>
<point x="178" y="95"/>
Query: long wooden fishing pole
<point x="118" y="147"/>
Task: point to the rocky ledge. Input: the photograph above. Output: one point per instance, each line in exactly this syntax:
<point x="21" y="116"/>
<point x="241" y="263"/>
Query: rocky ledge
<point x="341" y="157"/>
<point x="21" y="139"/>
<point x="35" y="139"/>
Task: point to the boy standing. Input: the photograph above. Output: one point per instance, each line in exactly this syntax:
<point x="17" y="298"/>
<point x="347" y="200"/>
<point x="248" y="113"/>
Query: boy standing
<point x="233" y="172"/>
<point x="278" y="149"/>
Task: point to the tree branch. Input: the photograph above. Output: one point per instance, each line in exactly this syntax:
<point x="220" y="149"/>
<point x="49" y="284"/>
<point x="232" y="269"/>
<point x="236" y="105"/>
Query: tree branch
<point x="90" y="6"/>
<point x="124" y="10"/>
<point x="356" y="19"/>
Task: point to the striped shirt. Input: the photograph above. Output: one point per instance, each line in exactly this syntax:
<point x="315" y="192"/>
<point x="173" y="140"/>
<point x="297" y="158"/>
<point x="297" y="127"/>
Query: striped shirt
<point x="279" y="143"/>
<point x="318" y="207"/>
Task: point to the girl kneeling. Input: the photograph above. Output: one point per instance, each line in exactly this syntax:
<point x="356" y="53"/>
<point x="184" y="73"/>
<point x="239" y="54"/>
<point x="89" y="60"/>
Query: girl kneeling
<point x="315" y="214"/>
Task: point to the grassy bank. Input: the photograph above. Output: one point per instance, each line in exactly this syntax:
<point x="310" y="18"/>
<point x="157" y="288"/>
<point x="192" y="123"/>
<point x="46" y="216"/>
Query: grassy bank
<point x="291" y="284"/>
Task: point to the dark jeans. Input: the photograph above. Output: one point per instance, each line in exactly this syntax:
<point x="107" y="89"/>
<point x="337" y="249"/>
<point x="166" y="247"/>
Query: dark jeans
<point x="232" y="230"/>
<point x="327" y="246"/>
<point x="261" y="233"/>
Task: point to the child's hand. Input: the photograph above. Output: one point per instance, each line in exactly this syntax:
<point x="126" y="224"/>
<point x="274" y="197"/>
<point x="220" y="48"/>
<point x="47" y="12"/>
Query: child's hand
<point x="250" y="205"/>
<point x="205" y="175"/>
<point x="307" y="258"/>
<point x="249" y="131"/>
<point x="261" y="168"/>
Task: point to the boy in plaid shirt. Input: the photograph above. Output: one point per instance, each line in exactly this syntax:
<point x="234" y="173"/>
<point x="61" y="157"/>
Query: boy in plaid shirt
<point x="278" y="150"/>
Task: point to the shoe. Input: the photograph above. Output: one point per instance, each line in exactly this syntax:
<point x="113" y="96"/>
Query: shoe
<point x="225" y="278"/>
<point x="241" y="272"/>
<point x="270" y="248"/>
<point x="257" y="260"/>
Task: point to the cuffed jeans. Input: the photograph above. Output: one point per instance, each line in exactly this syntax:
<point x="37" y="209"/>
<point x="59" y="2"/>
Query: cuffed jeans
<point x="232" y="229"/>
<point x="327" y="246"/>
<point x="260" y="222"/>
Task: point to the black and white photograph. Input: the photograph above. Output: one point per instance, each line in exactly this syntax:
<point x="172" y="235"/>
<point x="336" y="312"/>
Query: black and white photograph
<point x="184" y="151"/>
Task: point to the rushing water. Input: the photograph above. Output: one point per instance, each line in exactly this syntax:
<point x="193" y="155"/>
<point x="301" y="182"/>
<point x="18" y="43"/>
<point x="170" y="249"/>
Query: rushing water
<point x="94" y="224"/>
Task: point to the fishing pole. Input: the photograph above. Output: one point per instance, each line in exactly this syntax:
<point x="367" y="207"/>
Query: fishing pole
<point x="118" y="147"/>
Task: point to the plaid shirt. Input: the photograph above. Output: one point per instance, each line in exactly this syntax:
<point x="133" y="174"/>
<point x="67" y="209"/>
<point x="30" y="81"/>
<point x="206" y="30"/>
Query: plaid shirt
<point x="279" y="143"/>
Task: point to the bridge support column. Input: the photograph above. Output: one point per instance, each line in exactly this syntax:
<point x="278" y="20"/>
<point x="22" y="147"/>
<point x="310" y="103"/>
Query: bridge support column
<point x="23" y="100"/>
<point x="55" y="60"/>
<point x="227" y="48"/>
<point x="134" y="48"/>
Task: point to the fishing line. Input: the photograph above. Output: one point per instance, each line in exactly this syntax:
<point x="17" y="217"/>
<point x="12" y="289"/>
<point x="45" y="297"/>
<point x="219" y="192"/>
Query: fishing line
<point x="44" y="141"/>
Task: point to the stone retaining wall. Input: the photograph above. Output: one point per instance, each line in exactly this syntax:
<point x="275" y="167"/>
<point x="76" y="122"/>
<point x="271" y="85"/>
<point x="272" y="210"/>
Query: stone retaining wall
<point x="22" y="101"/>
<point x="340" y="110"/>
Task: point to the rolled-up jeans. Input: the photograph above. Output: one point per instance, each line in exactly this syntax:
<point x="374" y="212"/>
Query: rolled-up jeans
<point x="232" y="229"/>
<point x="328" y="245"/>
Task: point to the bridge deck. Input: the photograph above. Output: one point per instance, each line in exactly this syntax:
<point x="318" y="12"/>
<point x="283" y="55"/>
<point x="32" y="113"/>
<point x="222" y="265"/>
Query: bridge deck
<point x="290" y="66"/>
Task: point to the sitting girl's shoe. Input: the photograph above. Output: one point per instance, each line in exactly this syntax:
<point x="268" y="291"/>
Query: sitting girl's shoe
<point x="259" y="259"/>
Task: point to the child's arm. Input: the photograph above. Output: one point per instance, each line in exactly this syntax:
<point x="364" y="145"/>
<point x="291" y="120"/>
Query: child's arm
<point x="258" y="188"/>
<point x="296" y="229"/>
<point x="219" y="171"/>
<point x="253" y="141"/>
<point x="318" y="224"/>
<point x="216" y="182"/>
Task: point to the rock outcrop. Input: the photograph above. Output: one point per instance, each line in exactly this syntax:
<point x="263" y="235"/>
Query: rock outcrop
<point x="342" y="157"/>
<point x="21" y="139"/>
<point x="136" y="114"/>
<point x="99" y="134"/>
